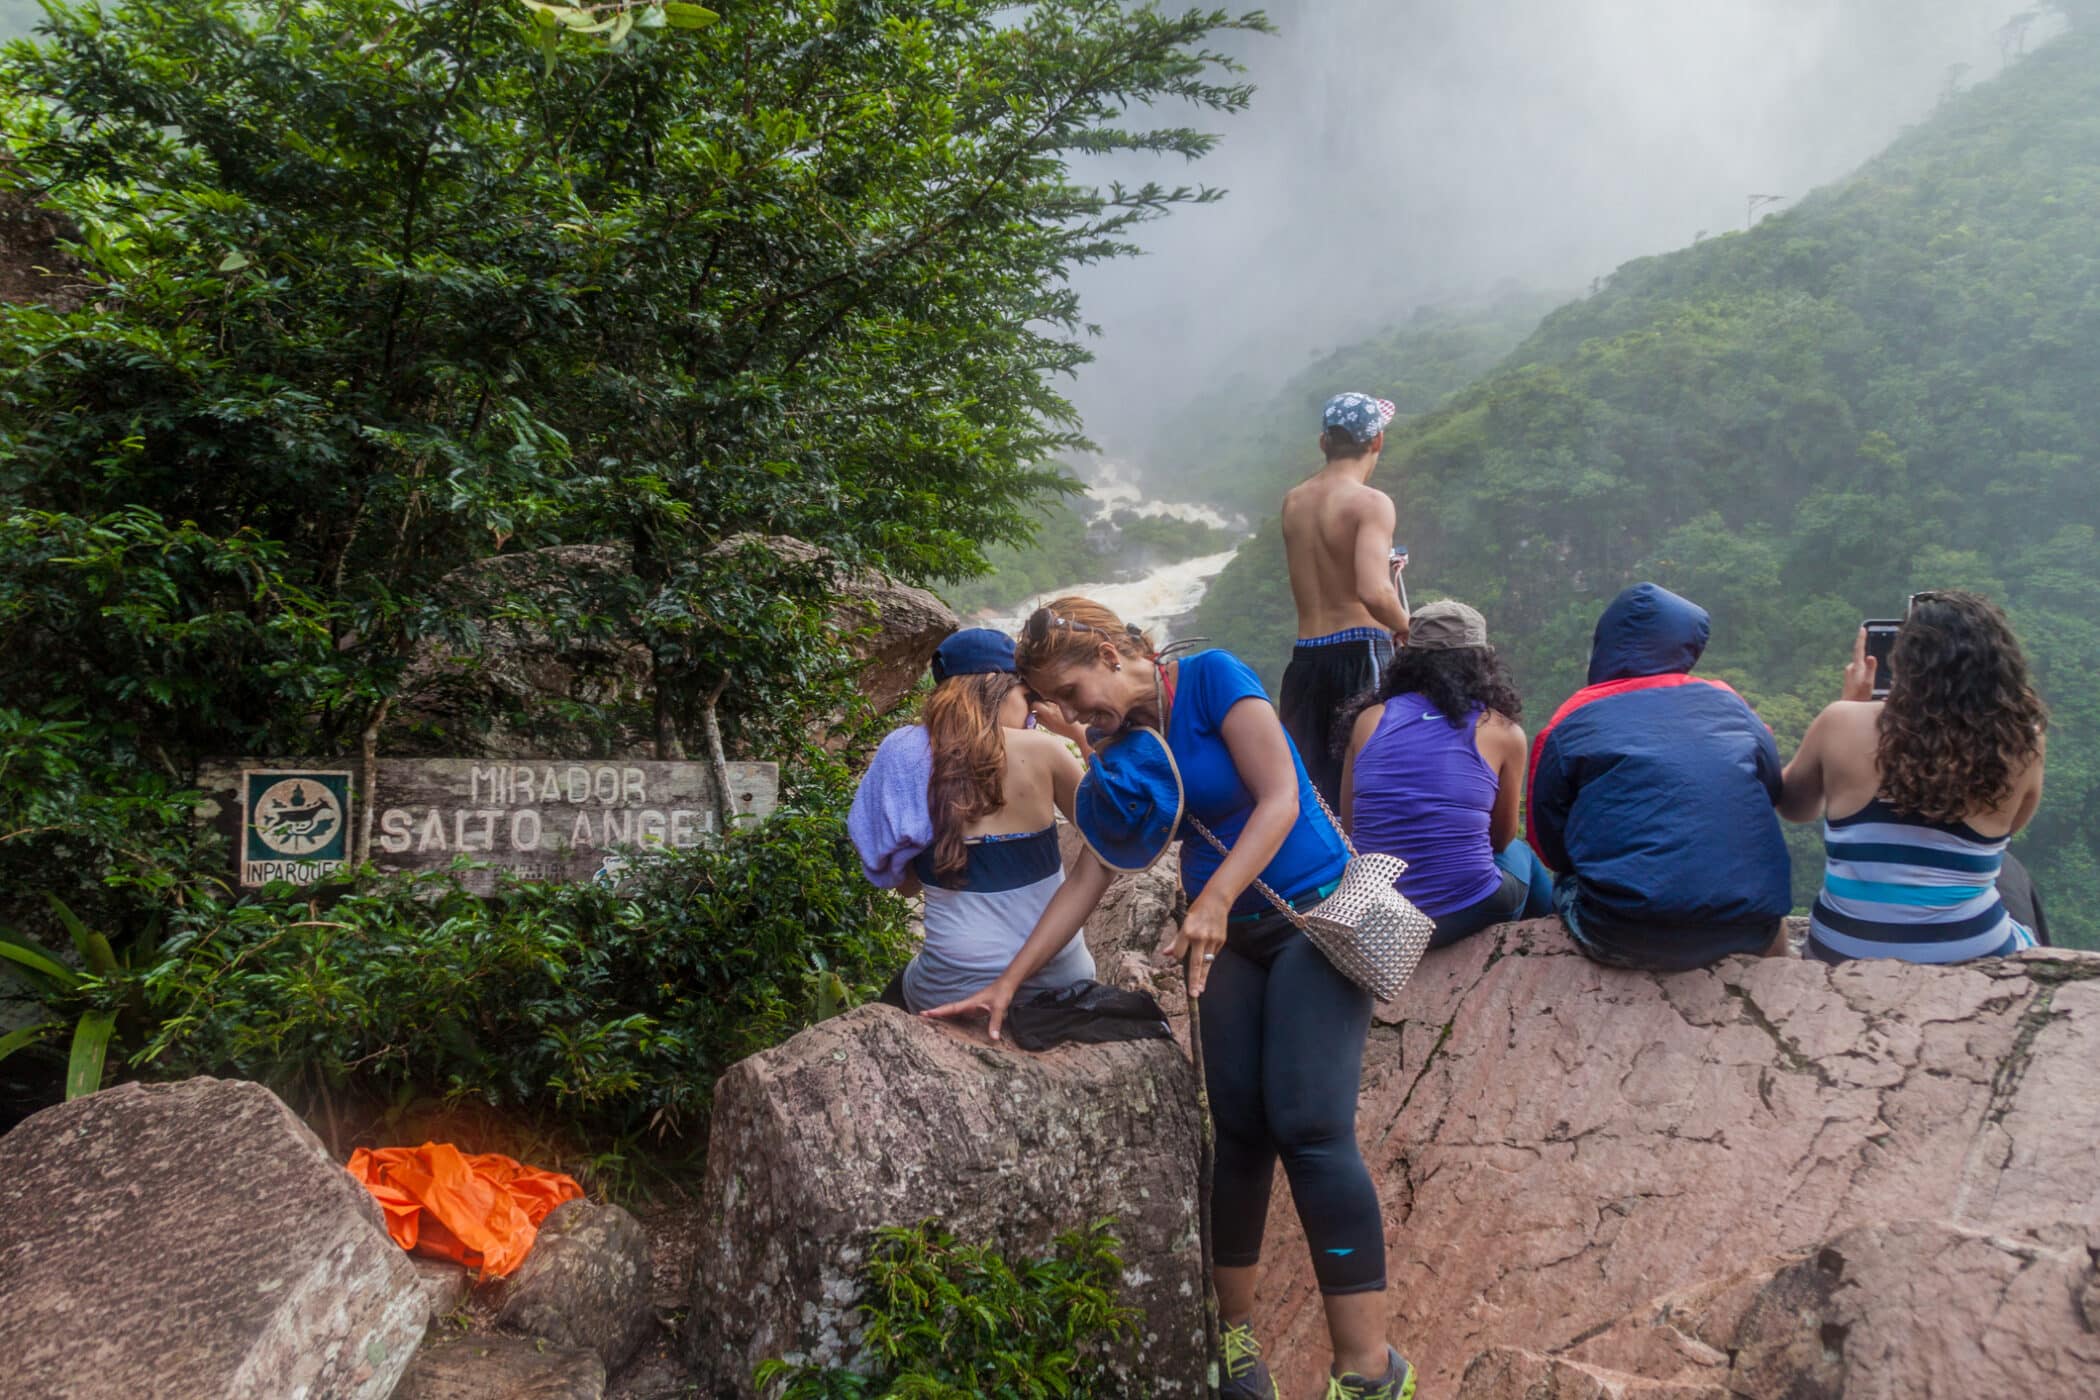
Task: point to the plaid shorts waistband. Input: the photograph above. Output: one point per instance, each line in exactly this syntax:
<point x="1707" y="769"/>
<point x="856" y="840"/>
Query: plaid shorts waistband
<point x="1348" y="634"/>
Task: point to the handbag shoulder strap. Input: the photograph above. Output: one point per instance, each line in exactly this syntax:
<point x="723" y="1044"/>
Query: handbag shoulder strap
<point x="1283" y="906"/>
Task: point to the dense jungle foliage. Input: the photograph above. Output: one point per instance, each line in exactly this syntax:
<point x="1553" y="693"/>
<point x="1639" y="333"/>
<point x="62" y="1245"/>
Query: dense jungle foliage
<point x="360" y="293"/>
<point x="1889" y="387"/>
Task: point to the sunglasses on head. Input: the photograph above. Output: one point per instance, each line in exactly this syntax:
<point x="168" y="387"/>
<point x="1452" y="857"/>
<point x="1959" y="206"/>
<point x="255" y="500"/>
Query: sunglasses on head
<point x="1927" y="596"/>
<point x="1042" y="622"/>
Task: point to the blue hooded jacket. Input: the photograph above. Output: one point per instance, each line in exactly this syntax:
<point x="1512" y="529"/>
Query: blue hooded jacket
<point x="1652" y="789"/>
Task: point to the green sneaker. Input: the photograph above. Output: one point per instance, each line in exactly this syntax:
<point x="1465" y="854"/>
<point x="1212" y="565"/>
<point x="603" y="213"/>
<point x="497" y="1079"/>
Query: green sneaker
<point x="1398" y="1382"/>
<point x="1242" y="1374"/>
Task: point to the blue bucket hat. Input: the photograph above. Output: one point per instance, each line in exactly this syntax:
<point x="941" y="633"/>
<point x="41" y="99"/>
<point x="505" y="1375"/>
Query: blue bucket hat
<point x="1358" y="417"/>
<point x="974" y="651"/>
<point x="1129" y="803"/>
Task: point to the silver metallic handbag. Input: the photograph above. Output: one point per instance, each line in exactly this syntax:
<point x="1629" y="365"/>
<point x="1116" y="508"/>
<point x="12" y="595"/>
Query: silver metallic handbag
<point x="1373" y="934"/>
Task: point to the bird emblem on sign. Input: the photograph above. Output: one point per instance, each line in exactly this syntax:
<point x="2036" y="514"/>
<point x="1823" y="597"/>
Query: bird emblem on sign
<point x="297" y="817"/>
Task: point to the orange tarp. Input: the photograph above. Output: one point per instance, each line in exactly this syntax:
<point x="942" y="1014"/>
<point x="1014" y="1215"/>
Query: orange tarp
<point x="483" y="1210"/>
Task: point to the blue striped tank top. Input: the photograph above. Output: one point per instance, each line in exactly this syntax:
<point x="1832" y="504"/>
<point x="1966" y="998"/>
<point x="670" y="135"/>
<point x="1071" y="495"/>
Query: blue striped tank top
<point x="1896" y="886"/>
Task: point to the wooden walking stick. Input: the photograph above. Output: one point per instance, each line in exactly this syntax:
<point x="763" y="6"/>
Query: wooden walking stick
<point x="1206" y="1136"/>
<point x="1206" y="1156"/>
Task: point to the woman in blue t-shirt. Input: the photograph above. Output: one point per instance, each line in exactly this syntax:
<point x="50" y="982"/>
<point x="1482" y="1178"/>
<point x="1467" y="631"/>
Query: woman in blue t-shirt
<point x="1283" y="1031"/>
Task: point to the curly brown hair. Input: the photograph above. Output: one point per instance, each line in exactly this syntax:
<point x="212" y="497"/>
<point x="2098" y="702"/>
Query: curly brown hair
<point x="1962" y="721"/>
<point x="969" y="760"/>
<point x="1453" y="680"/>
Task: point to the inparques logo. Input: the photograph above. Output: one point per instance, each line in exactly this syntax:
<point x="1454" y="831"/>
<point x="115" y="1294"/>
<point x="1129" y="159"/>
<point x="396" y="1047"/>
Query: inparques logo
<point x="294" y="826"/>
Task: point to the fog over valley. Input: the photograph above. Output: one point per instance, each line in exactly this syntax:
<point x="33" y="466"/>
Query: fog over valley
<point x="1399" y="152"/>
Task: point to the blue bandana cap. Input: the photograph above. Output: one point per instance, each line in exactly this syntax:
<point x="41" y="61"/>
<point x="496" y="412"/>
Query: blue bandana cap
<point x="1358" y="417"/>
<point x="1129" y="803"/>
<point x="974" y="651"/>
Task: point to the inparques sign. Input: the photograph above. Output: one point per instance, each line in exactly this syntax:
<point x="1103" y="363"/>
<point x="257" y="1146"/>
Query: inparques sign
<point x="299" y="820"/>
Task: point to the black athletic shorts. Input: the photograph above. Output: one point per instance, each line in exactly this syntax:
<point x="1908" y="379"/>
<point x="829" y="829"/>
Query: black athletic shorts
<point x="1325" y="672"/>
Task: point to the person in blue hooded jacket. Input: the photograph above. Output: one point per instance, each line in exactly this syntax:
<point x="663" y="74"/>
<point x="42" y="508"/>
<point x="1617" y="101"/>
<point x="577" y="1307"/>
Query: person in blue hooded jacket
<point x="1652" y="795"/>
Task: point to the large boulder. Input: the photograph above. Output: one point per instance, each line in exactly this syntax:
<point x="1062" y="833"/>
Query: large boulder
<point x="1910" y="1308"/>
<point x="879" y="1118"/>
<point x="585" y="1283"/>
<point x="194" y="1239"/>
<point x="1512" y="1373"/>
<point x="890" y="627"/>
<point x="1558" y="1143"/>
<point x="490" y="1367"/>
<point x="893" y="628"/>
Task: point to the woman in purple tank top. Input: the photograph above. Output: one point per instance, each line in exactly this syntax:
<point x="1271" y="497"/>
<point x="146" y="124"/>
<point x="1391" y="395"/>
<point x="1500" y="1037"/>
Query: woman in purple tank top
<point x="1433" y="771"/>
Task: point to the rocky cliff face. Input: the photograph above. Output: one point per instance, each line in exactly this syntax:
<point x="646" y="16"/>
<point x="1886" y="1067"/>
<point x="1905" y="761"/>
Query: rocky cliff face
<point x="1771" y="1178"/>
<point x="1564" y="1149"/>
<point x="1888" y="1311"/>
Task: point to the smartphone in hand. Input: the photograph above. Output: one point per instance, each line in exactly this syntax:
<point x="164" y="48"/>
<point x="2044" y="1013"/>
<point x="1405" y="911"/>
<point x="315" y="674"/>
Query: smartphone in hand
<point x="1881" y="641"/>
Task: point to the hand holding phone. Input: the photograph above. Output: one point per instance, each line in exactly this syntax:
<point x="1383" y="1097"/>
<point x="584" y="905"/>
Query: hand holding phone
<point x="1396" y="562"/>
<point x="1869" y="674"/>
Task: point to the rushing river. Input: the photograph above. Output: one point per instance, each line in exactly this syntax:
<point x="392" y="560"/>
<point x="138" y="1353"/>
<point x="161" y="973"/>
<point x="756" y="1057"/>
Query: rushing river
<point x="1162" y="600"/>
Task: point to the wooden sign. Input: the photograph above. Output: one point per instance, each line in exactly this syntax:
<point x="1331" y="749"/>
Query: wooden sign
<point x="539" y="818"/>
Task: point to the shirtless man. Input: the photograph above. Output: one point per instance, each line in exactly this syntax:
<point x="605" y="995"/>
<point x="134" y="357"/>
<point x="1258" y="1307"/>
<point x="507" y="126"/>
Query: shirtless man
<point x="1338" y="537"/>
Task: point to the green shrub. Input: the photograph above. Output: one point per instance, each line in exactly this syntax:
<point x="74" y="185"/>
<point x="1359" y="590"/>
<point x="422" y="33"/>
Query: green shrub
<point x="595" y="1010"/>
<point x="948" y="1321"/>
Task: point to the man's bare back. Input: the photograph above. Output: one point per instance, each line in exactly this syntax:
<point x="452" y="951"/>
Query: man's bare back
<point x="1338" y="537"/>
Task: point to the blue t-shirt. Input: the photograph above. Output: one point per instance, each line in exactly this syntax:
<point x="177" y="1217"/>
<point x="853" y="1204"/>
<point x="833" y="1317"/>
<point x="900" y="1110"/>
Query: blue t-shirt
<point x="1311" y="857"/>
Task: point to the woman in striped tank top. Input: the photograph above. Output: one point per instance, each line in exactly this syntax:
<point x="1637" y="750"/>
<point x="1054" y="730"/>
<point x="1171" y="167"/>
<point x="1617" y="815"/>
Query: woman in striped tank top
<point x="1920" y="792"/>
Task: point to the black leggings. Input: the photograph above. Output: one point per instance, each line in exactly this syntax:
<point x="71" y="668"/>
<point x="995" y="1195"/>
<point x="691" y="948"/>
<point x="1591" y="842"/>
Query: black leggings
<point x="1283" y="1054"/>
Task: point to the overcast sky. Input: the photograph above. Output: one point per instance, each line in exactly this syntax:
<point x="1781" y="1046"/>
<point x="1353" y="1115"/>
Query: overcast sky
<point x="1409" y="151"/>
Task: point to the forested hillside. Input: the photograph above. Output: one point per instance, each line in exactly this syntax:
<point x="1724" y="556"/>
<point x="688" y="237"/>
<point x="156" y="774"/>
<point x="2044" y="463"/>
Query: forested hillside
<point x="1889" y="387"/>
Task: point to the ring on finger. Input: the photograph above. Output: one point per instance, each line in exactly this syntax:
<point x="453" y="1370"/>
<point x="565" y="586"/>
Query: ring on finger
<point x="1210" y="957"/>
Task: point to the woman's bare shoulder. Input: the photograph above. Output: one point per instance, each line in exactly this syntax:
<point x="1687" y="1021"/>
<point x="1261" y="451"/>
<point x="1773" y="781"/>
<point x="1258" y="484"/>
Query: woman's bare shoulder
<point x="1039" y="748"/>
<point x="1495" y="722"/>
<point x="1850" y="718"/>
<point x="1500" y="735"/>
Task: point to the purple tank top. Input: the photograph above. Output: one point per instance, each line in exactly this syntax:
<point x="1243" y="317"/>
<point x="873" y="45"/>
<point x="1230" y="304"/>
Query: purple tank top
<point x="1423" y="793"/>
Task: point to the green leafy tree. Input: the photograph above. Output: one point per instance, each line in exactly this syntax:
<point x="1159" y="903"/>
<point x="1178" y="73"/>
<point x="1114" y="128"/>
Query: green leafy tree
<point x="370" y="292"/>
